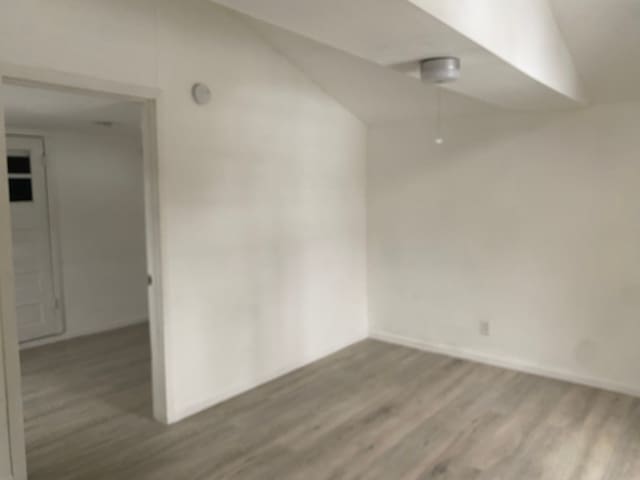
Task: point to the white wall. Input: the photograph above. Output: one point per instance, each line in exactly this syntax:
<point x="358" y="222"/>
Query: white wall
<point x="97" y="185"/>
<point x="529" y="222"/>
<point x="261" y="192"/>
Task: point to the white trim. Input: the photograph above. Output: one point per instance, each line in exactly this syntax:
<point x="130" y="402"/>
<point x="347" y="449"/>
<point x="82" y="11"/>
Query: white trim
<point x="240" y="388"/>
<point x="8" y="324"/>
<point x="58" y="80"/>
<point x="509" y="363"/>
<point x="162" y="401"/>
<point x="36" y="76"/>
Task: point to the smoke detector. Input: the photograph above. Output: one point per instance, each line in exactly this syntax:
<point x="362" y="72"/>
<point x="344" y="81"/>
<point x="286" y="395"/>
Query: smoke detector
<point x="200" y="93"/>
<point x="440" y="69"/>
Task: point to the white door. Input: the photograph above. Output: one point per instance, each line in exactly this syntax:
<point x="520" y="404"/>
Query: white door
<point x="36" y="303"/>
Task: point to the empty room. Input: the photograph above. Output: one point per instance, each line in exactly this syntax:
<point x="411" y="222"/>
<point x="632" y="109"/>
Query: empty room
<point x="76" y="183"/>
<point x="320" y="239"/>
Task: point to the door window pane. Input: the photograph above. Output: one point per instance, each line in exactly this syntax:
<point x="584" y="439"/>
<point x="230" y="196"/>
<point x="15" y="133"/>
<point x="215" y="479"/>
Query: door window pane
<point x="19" y="164"/>
<point x="20" y="190"/>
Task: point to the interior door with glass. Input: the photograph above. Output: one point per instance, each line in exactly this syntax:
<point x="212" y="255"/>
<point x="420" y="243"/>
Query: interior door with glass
<point x="36" y="304"/>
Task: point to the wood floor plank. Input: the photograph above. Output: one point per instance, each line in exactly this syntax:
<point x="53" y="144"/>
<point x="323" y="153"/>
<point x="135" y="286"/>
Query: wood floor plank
<point x="373" y="411"/>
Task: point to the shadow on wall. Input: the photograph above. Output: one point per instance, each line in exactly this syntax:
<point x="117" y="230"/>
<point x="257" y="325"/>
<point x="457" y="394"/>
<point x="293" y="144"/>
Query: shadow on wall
<point x="528" y="221"/>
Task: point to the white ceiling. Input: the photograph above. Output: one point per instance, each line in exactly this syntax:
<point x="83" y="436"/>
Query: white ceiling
<point x="604" y="38"/>
<point x="377" y="94"/>
<point x="48" y="109"/>
<point x="382" y="31"/>
<point x="345" y="45"/>
<point x="387" y="33"/>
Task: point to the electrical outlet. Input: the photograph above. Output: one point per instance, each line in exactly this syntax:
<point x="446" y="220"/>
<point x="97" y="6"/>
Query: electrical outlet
<point x="485" y="328"/>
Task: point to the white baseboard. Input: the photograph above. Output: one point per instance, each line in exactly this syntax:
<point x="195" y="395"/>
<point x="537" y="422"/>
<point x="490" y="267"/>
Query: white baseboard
<point x="200" y="406"/>
<point x="506" y="362"/>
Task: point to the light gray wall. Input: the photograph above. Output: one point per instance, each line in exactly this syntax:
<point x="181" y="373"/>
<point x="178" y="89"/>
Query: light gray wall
<point x="530" y="222"/>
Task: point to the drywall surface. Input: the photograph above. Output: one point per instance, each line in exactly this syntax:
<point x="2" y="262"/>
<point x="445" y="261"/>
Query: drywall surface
<point x="261" y="192"/>
<point x="522" y="32"/>
<point x="96" y="184"/>
<point x="528" y="222"/>
<point x="263" y="208"/>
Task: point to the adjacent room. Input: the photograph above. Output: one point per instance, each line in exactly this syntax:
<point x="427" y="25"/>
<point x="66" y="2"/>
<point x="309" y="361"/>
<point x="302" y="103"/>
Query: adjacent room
<point x="320" y="239"/>
<point x="76" y="194"/>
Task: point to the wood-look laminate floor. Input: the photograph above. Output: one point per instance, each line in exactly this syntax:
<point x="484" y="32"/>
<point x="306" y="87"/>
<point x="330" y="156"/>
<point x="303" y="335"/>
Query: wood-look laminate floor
<point x="372" y="411"/>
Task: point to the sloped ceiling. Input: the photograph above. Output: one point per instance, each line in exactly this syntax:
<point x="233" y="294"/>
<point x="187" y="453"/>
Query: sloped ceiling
<point x="375" y="94"/>
<point x="604" y="38"/>
<point x="327" y="38"/>
<point x="524" y="34"/>
<point x="382" y="31"/>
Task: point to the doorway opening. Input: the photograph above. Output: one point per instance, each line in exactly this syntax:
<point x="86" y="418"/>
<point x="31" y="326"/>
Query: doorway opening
<point x="81" y="178"/>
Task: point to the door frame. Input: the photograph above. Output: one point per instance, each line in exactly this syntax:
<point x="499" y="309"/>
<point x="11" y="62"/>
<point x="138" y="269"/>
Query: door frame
<point x="53" y="228"/>
<point x="10" y="373"/>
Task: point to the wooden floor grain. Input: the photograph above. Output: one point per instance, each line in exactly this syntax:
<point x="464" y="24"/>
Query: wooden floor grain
<point x="372" y="411"/>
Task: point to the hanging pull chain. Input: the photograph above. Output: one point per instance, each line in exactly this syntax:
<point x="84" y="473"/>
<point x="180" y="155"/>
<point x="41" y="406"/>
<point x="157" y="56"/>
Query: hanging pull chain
<point x="439" y="138"/>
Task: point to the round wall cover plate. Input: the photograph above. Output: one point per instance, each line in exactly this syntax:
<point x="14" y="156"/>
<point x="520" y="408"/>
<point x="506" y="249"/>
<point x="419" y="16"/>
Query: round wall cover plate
<point x="201" y="93"/>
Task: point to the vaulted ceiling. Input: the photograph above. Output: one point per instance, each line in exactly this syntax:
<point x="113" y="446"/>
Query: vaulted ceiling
<point x="604" y="39"/>
<point x="519" y="55"/>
